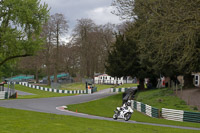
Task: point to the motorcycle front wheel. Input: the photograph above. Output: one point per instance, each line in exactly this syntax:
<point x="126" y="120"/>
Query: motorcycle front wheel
<point x="115" y="116"/>
<point x="127" y="116"/>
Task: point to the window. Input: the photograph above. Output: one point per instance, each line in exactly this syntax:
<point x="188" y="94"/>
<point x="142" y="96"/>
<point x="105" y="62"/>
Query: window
<point x="196" y="80"/>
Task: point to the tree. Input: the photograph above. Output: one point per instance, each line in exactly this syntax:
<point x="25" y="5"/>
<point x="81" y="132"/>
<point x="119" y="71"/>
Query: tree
<point x="48" y="34"/>
<point x="83" y="30"/>
<point x="123" y="59"/>
<point x="20" y="27"/>
<point x="94" y="42"/>
<point x="32" y="64"/>
<point x="60" y="27"/>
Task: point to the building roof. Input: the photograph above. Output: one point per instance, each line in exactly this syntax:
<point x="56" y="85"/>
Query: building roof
<point x="59" y="75"/>
<point x="20" y="77"/>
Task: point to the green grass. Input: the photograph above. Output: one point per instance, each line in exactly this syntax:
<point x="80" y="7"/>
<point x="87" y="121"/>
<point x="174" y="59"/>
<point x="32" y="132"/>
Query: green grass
<point x="42" y="85"/>
<point x="38" y="93"/>
<point x="164" y="97"/>
<point x="73" y="86"/>
<point x="20" y="121"/>
<point x="127" y="85"/>
<point x="102" y="87"/>
<point x="104" y="107"/>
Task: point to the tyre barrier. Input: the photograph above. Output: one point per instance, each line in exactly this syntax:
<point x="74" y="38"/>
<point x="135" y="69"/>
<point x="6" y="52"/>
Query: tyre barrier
<point x="146" y="109"/>
<point x="3" y="95"/>
<point x="169" y="114"/>
<point x="180" y="115"/>
<point x="120" y="89"/>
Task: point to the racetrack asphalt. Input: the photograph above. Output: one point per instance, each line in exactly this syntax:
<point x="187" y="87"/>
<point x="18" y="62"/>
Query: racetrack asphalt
<point x="53" y="105"/>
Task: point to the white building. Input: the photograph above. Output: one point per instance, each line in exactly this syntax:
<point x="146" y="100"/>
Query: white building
<point x="106" y="79"/>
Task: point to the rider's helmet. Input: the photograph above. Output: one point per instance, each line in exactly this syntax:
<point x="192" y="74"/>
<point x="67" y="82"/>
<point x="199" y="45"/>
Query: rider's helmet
<point x="128" y="103"/>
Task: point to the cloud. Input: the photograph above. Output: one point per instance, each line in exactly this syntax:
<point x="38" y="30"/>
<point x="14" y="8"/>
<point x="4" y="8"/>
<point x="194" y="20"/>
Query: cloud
<point x="97" y="10"/>
<point x="103" y="15"/>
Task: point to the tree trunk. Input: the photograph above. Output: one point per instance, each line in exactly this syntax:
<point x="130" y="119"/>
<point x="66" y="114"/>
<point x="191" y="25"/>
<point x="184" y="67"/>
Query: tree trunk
<point x="188" y="81"/>
<point x="141" y="84"/>
<point x="55" y="76"/>
<point x="36" y="75"/>
<point x="48" y="76"/>
<point x="57" y="52"/>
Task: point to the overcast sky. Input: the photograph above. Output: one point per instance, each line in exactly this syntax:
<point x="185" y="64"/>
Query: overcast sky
<point x="97" y="10"/>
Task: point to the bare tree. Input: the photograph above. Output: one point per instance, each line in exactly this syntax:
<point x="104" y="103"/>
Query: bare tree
<point x="60" y="26"/>
<point x="93" y="42"/>
<point x="83" y="30"/>
<point x="32" y="63"/>
<point x="48" y="34"/>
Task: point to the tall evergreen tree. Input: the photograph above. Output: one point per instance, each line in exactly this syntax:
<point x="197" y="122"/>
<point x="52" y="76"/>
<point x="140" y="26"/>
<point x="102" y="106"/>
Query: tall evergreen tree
<point x="123" y="59"/>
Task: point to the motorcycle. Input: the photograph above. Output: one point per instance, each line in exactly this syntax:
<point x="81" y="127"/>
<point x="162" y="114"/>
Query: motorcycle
<point x="123" y="112"/>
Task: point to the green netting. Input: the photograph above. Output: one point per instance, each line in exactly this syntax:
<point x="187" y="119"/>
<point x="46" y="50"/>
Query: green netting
<point x="60" y="75"/>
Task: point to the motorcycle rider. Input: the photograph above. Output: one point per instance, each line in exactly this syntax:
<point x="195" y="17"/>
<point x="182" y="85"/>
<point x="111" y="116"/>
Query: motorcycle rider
<point x="124" y="111"/>
<point x="125" y="106"/>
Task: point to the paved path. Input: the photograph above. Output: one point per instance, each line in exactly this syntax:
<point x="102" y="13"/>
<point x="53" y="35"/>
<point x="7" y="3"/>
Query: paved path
<point x="23" y="93"/>
<point x="20" y="92"/>
<point x="103" y="91"/>
<point x="53" y="105"/>
<point x="191" y="96"/>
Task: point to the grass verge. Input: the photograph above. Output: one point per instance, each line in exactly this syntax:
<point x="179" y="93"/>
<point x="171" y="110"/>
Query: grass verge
<point x="38" y="93"/>
<point x="164" y="97"/>
<point x="20" y="121"/>
<point x="127" y="85"/>
<point x="73" y="86"/>
<point x="104" y="107"/>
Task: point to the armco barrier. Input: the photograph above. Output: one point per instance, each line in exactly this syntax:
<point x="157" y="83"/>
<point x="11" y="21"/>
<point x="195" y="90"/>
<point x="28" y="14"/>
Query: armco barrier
<point x="146" y="109"/>
<point x="180" y="115"/>
<point x="52" y="90"/>
<point x="119" y="89"/>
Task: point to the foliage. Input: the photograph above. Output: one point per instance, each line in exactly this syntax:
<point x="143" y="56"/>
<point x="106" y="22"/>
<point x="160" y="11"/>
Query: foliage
<point x="20" y="27"/>
<point x="8" y="69"/>
<point x="92" y="42"/>
<point x="167" y="33"/>
<point x="127" y="85"/>
<point x="123" y="58"/>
